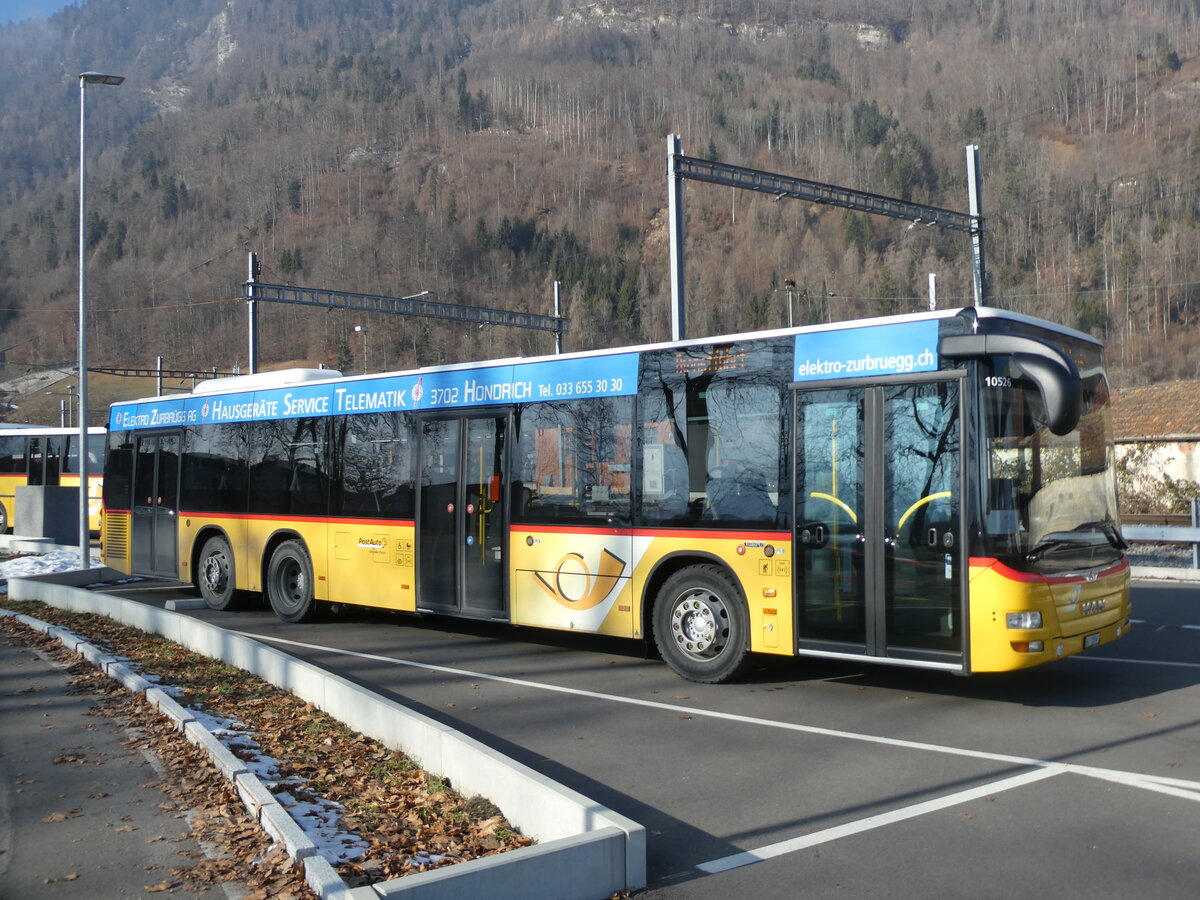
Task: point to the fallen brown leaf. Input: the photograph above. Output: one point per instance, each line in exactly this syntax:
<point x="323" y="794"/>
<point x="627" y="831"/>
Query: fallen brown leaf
<point x="61" y="816"/>
<point x="389" y="800"/>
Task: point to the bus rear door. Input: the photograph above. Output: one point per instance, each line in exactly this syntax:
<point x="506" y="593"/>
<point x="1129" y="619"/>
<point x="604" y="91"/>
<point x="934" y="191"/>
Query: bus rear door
<point x="879" y="521"/>
<point x="154" y="524"/>
<point x="461" y="516"/>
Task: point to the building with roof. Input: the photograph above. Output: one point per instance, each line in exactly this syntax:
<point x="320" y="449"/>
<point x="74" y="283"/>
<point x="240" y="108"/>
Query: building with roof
<point x="1162" y="420"/>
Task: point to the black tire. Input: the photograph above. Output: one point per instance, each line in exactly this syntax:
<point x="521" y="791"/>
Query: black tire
<point x="215" y="574"/>
<point x="290" y="583"/>
<point x="700" y="625"/>
<point x="3" y="519"/>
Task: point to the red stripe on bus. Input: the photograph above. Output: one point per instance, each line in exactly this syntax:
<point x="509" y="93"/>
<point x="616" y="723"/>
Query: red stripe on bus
<point x="779" y="536"/>
<point x="1012" y="574"/>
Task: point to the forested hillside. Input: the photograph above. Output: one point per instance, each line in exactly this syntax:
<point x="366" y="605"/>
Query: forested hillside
<point x="481" y="149"/>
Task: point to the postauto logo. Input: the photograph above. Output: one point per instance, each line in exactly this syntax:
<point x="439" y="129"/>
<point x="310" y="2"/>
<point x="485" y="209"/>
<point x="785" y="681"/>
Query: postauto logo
<point x="896" y="349"/>
<point x="572" y="584"/>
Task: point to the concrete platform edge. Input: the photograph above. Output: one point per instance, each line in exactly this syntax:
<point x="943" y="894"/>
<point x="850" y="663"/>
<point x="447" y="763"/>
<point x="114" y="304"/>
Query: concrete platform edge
<point x="585" y="850"/>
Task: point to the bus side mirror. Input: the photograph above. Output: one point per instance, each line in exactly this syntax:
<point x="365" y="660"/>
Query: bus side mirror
<point x="1062" y="395"/>
<point x="1054" y="372"/>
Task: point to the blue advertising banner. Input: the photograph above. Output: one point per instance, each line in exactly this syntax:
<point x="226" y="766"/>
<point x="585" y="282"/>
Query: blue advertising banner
<point x="566" y="379"/>
<point x="898" y="348"/>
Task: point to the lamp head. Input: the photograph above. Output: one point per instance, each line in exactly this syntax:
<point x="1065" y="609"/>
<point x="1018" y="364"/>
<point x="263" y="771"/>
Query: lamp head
<point x="100" y="78"/>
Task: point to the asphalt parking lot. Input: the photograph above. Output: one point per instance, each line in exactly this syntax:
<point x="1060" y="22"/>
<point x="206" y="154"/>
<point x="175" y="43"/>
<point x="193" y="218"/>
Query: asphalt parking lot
<point x="811" y="778"/>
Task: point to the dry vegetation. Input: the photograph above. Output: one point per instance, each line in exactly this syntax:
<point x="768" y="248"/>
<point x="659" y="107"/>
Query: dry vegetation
<point x="407" y="815"/>
<point x="480" y="149"/>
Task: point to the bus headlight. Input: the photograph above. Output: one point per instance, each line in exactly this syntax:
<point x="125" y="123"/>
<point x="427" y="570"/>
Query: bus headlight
<point x="1024" y="621"/>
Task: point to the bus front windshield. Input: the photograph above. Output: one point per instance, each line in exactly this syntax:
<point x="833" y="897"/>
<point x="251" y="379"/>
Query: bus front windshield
<point x="1050" y="501"/>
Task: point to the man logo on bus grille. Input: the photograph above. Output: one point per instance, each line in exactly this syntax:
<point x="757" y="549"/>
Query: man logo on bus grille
<point x="573" y="585"/>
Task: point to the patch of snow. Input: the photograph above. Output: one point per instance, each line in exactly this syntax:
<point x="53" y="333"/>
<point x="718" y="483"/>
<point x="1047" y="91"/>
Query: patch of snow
<point x="40" y="564"/>
<point x="169" y="97"/>
<point x="870" y="37"/>
<point x="226" y="44"/>
<point x="316" y="815"/>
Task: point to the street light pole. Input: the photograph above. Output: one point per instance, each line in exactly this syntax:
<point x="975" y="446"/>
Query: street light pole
<point x="85" y="78"/>
<point x="363" y="329"/>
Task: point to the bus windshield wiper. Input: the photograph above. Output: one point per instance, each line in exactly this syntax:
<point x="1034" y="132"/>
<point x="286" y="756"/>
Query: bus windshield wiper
<point x="1108" y="528"/>
<point x="1082" y="536"/>
<point x="1057" y="542"/>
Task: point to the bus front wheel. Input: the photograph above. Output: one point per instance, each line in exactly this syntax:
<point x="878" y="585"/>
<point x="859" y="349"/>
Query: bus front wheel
<point x="700" y="625"/>
<point x="215" y="574"/>
<point x="290" y="582"/>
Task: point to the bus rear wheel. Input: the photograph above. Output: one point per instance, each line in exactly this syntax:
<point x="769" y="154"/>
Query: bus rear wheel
<point x="290" y="583"/>
<point x="215" y="574"/>
<point x="700" y="625"/>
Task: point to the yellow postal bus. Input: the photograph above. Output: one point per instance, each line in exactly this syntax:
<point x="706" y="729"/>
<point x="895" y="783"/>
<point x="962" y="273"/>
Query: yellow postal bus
<point x="33" y="455"/>
<point x="932" y="490"/>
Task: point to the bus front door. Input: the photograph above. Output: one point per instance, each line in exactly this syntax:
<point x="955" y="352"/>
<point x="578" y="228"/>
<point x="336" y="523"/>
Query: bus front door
<point x="461" y="516"/>
<point x="154" y="524"/>
<point x="879" y="551"/>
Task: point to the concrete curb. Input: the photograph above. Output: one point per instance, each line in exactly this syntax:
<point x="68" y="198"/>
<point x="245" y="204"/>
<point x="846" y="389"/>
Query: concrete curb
<point x="259" y="801"/>
<point x="584" y="851"/>
<point x="19" y="543"/>
<point x="230" y="766"/>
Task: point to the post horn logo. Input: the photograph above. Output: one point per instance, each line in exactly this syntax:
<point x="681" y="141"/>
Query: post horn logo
<point x="574" y="586"/>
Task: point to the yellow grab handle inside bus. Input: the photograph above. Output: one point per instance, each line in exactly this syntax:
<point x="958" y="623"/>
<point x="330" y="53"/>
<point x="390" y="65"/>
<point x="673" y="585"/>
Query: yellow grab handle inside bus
<point x="929" y="498"/>
<point x="834" y="500"/>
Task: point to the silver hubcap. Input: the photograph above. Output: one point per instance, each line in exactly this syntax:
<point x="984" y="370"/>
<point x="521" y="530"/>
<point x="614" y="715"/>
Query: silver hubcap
<point x="291" y="582"/>
<point x="699" y="625"/>
<point x="214" y="574"/>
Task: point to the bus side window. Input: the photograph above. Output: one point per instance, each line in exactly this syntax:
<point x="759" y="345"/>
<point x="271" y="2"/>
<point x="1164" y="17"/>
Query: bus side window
<point x="36" y="462"/>
<point x="572" y="461"/>
<point x="12" y="455"/>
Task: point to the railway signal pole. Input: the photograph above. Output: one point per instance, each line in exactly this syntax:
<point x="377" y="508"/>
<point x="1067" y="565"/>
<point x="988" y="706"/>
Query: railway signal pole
<point x="255" y="291"/>
<point x="680" y="167"/>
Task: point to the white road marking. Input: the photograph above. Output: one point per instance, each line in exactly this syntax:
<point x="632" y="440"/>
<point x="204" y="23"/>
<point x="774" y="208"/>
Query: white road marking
<point x="1087" y="657"/>
<point x="770" y="851"/>
<point x="1174" y="787"/>
<point x="1183" y="627"/>
<point x="1187" y="789"/>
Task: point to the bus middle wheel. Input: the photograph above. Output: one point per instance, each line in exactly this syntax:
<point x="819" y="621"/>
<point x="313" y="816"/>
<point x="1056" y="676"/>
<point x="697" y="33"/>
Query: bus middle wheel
<point x="290" y="583"/>
<point x="700" y="625"/>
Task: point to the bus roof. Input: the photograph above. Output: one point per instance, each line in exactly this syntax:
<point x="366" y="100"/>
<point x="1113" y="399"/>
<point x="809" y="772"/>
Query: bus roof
<point x="299" y="376"/>
<point x="24" y="430"/>
<point x="609" y="372"/>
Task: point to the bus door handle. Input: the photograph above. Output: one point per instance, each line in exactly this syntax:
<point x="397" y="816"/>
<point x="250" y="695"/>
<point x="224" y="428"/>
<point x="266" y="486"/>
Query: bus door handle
<point x="940" y="539"/>
<point x="813" y="535"/>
